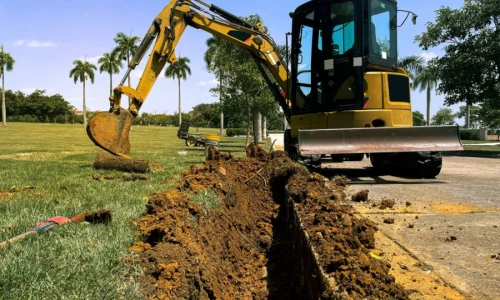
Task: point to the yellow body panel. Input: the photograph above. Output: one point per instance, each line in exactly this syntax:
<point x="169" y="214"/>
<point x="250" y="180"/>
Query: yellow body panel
<point x="350" y="119"/>
<point x="378" y="107"/>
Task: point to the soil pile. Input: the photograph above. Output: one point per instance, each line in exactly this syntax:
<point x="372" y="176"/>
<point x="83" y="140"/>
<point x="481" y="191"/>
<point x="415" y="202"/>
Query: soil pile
<point x="275" y="232"/>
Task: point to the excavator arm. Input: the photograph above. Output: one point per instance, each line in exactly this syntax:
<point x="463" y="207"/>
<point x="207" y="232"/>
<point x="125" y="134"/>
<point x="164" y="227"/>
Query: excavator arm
<point x="110" y="131"/>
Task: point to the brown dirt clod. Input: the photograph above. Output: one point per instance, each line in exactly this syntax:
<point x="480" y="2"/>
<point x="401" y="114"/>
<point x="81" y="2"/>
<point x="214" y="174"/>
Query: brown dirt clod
<point x="102" y="216"/>
<point x="263" y="241"/>
<point x="386" y="204"/>
<point x="389" y="221"/>
<point x="360" y="196"/>
<point x="212" y="153"/>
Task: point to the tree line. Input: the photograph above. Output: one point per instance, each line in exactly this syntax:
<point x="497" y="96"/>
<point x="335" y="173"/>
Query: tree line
<point x="468" y="72"/>
<point x="37" y="107"/>
<point x="205" y="115"/>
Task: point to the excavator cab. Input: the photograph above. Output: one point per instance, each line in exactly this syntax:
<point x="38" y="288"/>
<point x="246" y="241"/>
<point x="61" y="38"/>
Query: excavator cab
<point x="333" y="43"/>
<point x="351" y="97"/>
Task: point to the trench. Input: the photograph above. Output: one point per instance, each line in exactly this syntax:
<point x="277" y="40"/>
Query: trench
<point x="294" y="272"/>
<point x="278" y="235"/>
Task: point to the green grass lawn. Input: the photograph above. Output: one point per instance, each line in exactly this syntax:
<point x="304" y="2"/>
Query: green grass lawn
<point x="78" y="261"/>
<point x="470" y="145"/>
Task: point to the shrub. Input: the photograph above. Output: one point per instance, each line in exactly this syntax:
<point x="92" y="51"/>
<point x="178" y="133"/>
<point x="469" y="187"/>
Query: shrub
<point x="470" y="134"/>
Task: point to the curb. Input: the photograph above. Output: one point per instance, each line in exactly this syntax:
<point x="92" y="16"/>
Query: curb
<point x="473" y="153"/>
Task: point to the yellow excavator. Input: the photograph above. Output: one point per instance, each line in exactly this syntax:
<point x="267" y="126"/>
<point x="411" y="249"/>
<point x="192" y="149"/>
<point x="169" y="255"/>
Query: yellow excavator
<point x="344" y="95"/>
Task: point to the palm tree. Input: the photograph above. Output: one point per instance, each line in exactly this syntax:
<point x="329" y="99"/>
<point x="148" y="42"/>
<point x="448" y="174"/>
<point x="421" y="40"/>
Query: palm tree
<point x="126" y="47"/>
<point x="211" y="58"/>
<point x="6" y="64"/>
<point x="413" y="64"/>
<point x="82" y="71"/>
<point x="179" y="70"/>
<point x="111" y="64"/>
<point x="428" y="80"/>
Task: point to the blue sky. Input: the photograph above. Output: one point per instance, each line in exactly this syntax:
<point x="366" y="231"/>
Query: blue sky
<point x="45" y="37"/>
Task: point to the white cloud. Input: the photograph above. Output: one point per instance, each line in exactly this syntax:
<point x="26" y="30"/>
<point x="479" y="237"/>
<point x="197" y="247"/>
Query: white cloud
<point x="428" y="55"/>
<point x="34" y="43"/>
<point x="92" y="60"/>
<point x="209" y="82"/>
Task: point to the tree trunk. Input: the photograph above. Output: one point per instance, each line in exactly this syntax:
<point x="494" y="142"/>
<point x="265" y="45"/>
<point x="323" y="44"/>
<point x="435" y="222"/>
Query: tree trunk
<point x="4" y="109"/>
<point x="257" y="130"/>
<point x="264" y="127"/>
<point x="220" y="100"/>
<point x="428" y="105"/>
<point x="180" y="114"/>
<point x="110" y="83"/>
<point x="467" y="116"/>
<point x="84" y="106"/>
<point x="128" y="63"/>
<point x="249" y="123"/>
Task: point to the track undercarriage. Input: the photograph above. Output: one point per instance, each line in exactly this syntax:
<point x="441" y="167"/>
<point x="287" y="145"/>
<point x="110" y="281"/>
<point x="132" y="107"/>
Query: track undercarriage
<point x="425" y="164"/>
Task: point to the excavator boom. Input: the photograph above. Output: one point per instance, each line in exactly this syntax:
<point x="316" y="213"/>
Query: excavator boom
<point x="110" y="130"/>
<point x="329" y="105"/>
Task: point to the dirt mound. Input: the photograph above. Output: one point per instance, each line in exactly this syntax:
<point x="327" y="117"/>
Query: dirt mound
<point x="231" y="230"/>
<point x="255" y="151"/>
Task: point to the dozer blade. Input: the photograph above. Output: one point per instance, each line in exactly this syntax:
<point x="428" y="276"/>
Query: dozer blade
<point x="379" y="140"/>
<point x="110" y="131"/>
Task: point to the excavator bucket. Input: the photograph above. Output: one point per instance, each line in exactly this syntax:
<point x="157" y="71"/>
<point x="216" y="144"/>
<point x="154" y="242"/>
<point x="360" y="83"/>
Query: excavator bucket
<point x="110" y="131"/>
<point x="379" y="140"/>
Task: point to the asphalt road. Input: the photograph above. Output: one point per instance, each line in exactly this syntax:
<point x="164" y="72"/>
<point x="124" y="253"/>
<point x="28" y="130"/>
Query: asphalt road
<point x="451" y="224"/>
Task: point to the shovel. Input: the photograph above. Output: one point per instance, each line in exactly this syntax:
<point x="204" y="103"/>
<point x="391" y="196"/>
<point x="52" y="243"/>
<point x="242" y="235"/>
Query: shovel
<point x="93" y="217"/>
